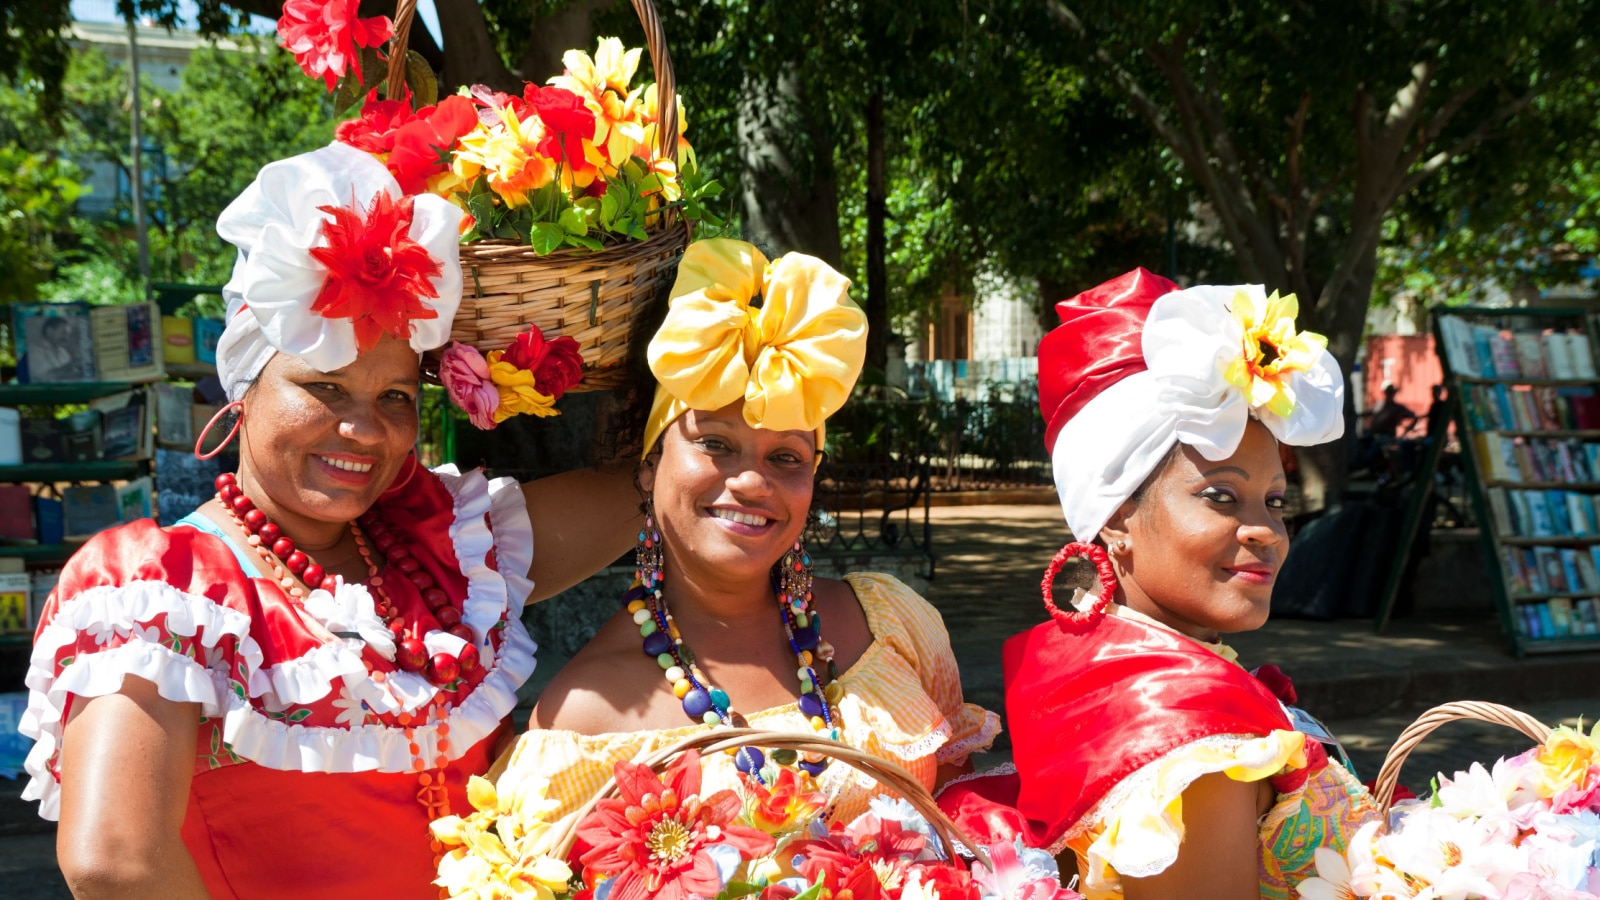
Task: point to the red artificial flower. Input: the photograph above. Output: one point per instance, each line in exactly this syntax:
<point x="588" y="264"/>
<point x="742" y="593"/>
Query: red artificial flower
<point x="949" y="882"/>
<point x="568" y="123"/>
<point x="1273" y="679"/>
<point x="377" y="274"/>
<point x="374" y="131"/>
<point x="556" y="363"/>
<point x="422" y="146"/>
<point x="325" y="36"/>
<point x="653" y="838"/>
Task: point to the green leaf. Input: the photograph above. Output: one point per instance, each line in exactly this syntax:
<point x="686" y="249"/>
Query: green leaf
<point x="66" y="661"/>
<point x="737" y="889"/>
<point x="546" y="236"/>
<point x="810" y="893"/>
<point x="574" y="222"/>
<point x="587" y="243"/>
<point x="419" y="77"/>
<point x="300" y="715"/>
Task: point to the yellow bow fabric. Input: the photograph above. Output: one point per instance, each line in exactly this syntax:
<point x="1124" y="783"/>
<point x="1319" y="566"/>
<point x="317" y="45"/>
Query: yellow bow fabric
<point x="784" y="336"/>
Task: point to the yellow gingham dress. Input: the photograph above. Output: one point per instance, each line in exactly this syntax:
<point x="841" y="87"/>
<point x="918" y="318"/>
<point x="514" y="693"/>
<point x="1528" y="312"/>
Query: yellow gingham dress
<point x="902" y="702"/>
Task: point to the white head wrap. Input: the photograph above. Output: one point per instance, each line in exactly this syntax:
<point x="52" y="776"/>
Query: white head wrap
<point x="275" y="224"/>
<point x="1105" y="452"/>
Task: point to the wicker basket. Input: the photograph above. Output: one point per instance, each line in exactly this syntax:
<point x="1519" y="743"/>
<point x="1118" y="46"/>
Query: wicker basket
<point x="591" y="296"/>
<point x="891" y="776"/>
<point x="1428" y="722"/>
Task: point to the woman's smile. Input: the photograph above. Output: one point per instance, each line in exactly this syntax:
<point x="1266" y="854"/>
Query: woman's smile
<point x="741" y="520"/>
<point x="345" y="468"/>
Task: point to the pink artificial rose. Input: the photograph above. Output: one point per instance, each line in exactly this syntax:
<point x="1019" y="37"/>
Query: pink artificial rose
<point x="465" y="375"/>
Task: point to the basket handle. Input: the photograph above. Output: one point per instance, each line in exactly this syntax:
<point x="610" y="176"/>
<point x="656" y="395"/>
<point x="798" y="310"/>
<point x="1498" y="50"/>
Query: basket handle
<point x="888" y="774"/>
<point x="655" y="39"/>
<point x="1428" y="722"/>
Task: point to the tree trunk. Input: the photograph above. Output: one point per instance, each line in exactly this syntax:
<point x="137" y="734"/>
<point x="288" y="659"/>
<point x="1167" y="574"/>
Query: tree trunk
<point x="877" y="249"/>
<point x="566" y="29"/>
<point x="470" y="56"/>
<point x="789" y="193"/>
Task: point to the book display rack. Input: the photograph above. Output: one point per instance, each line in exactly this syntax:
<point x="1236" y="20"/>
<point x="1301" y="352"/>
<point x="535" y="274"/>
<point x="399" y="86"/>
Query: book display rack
<point x="1528" y="418"/>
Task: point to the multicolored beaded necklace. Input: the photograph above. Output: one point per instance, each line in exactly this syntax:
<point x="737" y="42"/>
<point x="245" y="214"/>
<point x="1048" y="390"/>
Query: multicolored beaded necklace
<point x="802" y="627"/>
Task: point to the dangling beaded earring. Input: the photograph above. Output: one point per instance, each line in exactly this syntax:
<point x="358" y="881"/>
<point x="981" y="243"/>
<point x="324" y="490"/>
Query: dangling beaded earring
<point x="647" y="552"/>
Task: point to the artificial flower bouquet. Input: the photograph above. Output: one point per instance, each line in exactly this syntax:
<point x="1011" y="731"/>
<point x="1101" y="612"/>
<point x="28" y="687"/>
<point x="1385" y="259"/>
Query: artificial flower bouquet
<point x="1526" y="829"/>
<point x="662" y="838"/>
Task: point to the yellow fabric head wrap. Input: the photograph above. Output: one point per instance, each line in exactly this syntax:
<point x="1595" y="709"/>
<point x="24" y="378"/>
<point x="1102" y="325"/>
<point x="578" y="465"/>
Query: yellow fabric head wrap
<point x="783" y="336"/>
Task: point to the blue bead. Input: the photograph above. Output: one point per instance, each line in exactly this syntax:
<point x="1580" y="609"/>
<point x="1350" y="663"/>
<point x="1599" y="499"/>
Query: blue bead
<point x="634" y="593"/>
<point x="811" y="705"/>
<point x="749" y="760"/>
<point x="696" y="703"/>
<point x="813" y="768"/>
<point x="806" y="638"/>
<point x="657" y="644"/>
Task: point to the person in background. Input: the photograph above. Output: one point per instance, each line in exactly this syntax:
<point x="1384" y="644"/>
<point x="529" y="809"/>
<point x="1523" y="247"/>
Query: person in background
<point x="1391" y="418"/>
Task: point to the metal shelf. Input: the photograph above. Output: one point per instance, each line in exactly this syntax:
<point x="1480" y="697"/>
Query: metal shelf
<point x="80" y="392"/>
<point x="1530" y="382"/>
<point x="98" y="470"/>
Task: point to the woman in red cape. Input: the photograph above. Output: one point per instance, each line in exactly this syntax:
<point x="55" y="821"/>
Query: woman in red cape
<point x="274" y="697"/>
<point x="1139" y="742"/>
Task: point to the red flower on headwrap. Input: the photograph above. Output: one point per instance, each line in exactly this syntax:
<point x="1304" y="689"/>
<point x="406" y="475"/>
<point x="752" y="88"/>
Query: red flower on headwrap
<point x="325" y="36"/>
<point x="556" y="363"/>
<point x="377" y="274"/>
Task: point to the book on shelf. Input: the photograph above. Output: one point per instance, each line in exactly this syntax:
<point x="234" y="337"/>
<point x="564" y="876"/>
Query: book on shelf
<point x="1588" y="574"/>
<point x="135" y="499"/>
<point x="14" y="592"/>
<point x="89" y="509"/>
<point x="1569" y="569"/>
<point x="1485" y="351"/>
<point x="174" y="422"/>
<point x="124" y="425"/>
<point x="49" y="518"/>
<point x="16" y="513"/>
<point x="177" y="340"/>
<point x="127" y="342"/>
<point x="1559" y="617"/>
<point x="207" y="332"/>
<point x="52" y="342"/>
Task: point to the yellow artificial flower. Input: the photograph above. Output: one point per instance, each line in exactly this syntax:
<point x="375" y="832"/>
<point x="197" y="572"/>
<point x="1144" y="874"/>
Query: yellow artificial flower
<point x="602" y="81"/>
<point x="1272" y="351"/>
<point x="517" y="393"/>
<point x="1565" y="760"/>
<point x="652" y="115"/>
<point x="501" y="850"/>
<point x="506" y="153"/>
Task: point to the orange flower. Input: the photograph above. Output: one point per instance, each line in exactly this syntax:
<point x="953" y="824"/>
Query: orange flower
<point x="792" y="799"/>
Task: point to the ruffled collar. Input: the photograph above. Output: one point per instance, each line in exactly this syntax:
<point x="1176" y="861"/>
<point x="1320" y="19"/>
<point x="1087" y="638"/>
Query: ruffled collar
<point x="1083" y="600"/>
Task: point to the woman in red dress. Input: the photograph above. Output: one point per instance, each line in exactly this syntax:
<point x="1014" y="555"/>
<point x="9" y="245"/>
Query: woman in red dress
<point x="1140" y="743"/>
<point x="275" y="696"/>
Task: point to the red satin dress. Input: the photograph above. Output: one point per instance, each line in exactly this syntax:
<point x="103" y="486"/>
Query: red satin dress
<point x="318" y="762"/>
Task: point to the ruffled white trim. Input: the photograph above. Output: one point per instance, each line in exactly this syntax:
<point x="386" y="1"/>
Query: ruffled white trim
<point x="1155" y="852"/>
<point x="272" y="742"/>
<point x="121" y="609"/>
<point x="957" y="751"/>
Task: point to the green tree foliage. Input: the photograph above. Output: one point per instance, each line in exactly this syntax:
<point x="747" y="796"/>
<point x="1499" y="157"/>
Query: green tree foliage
<point x="36" y="192"/>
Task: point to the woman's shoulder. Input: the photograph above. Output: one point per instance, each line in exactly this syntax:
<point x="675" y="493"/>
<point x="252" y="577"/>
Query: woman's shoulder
<point x="589" y="695"/>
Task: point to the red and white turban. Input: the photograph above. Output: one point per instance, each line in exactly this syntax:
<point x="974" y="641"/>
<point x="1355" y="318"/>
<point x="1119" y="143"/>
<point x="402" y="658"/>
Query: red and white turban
<point x="1138" y="365"/>
<point x="333" y="255"/>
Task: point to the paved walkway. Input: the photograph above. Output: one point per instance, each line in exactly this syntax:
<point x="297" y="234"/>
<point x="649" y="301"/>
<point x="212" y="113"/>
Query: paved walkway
<point x="1367" y="687"/>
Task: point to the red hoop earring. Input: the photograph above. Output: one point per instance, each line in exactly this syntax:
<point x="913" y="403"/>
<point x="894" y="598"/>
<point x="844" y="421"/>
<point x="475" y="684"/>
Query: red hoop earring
<point x="201" y="440"/>
<point x="1108" y="583"/>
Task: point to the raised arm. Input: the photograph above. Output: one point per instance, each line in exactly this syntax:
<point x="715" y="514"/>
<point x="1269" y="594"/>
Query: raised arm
<point x="1220" y="855"/>
<point x="582" y="520"/>
<point x="126" y="763"/>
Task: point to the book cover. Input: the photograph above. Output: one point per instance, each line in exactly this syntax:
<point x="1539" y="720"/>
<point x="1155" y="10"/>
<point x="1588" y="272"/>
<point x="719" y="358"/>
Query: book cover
<point x="1578" y="515"/>
<point x="174" y="420"/>
<point x="1503" y="354"/>
<point x="135" y="500"/>
<point x="1547" y="625"/>
<point x="1530" y="566"/>
<point x="1582" y="354"/>
<point x="1458" y="346"/>
<point x="1557" y="503"/>
<point x="125" y="342"/>
<point x="1530" y="354"/>
<point x="1585" y="407"/>
<point x="1530" y="620"/>
<point x="43" y="441"/>
<point x="1587" y="573"/>
<point x="177" y="340"/>
<point x="49" y="519"/>
<point x="1591" y="615"/>
<point x="1500" y="511"/>
<point x="14" y="591"/>
<point x="1555" y="580"/>
<point x="16" y="514"/>
<point x="124" y="432"/>
<point x="1472" y="404"/>
<point x="1561" y="615"/>
<point x="1557" y="361"/>
<point x="53" y="342"/>
<point x="1547" y="406"/>
<point x="1569" y="568"/>
<point x="1483" y="348"/>
<point x="1526" y="467"/>
<point x="206" y="334"/>
<point x="1521" y="514"/>
<point x="89" y="509"/>
<point x="83" y="437"/>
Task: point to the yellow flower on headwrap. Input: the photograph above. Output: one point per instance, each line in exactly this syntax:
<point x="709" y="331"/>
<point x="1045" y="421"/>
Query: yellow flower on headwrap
<point x="783" y="336"/>
<point x="1272" y="350"/>
<point x="517" y="393"/>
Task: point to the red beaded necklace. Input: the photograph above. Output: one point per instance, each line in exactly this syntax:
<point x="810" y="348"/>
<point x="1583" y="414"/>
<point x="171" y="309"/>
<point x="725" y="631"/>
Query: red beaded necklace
<point x="297" y="573"/>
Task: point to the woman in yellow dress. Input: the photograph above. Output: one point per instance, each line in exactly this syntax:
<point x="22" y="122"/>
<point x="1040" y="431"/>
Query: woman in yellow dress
<point x="725" y="625"/>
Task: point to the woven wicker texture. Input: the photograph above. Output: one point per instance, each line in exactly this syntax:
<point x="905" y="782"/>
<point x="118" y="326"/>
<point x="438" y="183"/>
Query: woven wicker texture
<point x="593" y="297"/>
<point x="1428" y="722"/>
<point x="891" y="776"/>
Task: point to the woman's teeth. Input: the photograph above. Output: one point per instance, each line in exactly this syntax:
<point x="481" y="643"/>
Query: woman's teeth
<point x="346" y="464"/>
<point x="741" y="518"/>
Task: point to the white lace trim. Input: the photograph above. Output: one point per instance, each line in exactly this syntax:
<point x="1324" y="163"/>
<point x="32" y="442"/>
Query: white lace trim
<point x="957" y="751"/>
<point x="271" y="742"/>
<point x="997" y="772"/>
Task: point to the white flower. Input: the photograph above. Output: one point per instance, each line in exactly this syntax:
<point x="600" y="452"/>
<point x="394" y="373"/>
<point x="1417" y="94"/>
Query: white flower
<point x="1451" y="857"/>
<point x="350" y="609"/>
<point x="1473" y="793"/>
<point x="1332" y="881"/>
<point x="351" y="710"/>
<point x="150" y="634"/>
